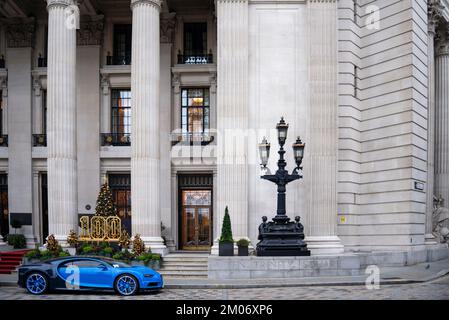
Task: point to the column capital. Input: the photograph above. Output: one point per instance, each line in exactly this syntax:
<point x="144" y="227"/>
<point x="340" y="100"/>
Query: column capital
<point x="442" y="42"/>
<point x="155" y="3"/>
<point x="60" y="3"/>
<point x="434" y="12"/>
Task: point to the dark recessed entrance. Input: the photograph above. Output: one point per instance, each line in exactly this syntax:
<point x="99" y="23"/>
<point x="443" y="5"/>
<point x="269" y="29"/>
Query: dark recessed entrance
<point x="195" y="212"/>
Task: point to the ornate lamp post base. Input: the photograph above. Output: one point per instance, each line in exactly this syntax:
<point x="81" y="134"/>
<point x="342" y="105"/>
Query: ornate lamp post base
<point x="281" y="238"/>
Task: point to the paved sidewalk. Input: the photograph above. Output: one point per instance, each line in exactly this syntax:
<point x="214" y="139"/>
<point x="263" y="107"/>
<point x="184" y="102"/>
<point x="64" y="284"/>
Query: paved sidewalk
<point x="423" y="272"/>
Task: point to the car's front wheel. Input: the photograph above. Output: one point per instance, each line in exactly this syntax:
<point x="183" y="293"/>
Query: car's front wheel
<point x="126" y="285"/>
<point x="36" y="283"/>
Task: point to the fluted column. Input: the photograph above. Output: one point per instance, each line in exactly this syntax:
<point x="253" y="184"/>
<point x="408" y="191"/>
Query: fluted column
<point x="232" y="115"/>
<point x="442" y="117"/>
<point x="61" y="96"/>
<point x="434" y="14"/>
<point x="322" y="146"/>
<point x="145" y="157"/>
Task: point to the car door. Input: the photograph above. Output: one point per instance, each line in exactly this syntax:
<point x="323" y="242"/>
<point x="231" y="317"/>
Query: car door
<point x="95" y="274"/>
<point x="86" y="273"/>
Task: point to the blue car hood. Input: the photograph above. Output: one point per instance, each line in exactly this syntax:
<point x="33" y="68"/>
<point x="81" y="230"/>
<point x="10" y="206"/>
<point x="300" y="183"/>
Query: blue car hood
<point x="141" y="269"/>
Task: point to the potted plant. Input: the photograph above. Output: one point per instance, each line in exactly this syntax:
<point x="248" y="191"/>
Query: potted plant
<point x="243" y="245"/>
<point x="226" y="243"/>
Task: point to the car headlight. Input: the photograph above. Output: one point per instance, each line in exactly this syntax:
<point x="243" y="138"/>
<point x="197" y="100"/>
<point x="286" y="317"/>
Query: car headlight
<point x="148" y="275"/>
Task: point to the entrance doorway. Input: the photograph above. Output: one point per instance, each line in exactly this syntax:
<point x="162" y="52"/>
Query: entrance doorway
<point x="120" y="185"/>
<point x="4" y="212"/>
<point x="195" y="195"/>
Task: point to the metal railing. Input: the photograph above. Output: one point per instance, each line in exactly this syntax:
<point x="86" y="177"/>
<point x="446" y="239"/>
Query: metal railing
<point x="115" y="139"/>
<point x="195" y="59"/>
<point x="188" y="138"/>
<point x="118" y="60"/>
<point x="39" y="140"/>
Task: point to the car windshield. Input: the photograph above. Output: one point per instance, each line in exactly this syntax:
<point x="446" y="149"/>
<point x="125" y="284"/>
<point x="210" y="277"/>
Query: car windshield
<point x="118" y="264"/>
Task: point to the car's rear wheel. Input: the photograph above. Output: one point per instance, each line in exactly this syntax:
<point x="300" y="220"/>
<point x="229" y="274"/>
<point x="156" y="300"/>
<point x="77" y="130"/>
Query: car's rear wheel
<point x="36" y="283"/>
<point x="126" y="285"/>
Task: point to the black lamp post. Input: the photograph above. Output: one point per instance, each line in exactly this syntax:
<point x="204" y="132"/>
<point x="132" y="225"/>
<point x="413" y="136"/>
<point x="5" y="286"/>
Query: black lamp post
<point x="282" y="237"/>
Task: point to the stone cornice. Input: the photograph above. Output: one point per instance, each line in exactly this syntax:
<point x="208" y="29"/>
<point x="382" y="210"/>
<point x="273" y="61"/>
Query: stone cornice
<point x="156" y="3"/>
<point x="20" y="33"/>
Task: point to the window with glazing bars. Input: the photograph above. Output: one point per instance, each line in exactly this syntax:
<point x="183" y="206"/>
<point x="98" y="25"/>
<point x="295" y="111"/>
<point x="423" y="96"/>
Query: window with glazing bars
<point x="121" y="112"/>
<point x="195" y="39"/>
<point x="195" y="111"/>
<point x="122" y="44"/>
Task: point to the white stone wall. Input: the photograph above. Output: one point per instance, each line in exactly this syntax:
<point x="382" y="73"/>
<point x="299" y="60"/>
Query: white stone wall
<point x="383" y="124"/>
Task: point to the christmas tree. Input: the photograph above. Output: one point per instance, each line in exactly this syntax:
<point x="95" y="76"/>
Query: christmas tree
<point x="105" y="203"/>
<point x="226" y="230"/>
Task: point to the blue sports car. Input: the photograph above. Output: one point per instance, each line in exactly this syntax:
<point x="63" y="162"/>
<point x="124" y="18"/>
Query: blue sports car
<point x="88" y="273"/>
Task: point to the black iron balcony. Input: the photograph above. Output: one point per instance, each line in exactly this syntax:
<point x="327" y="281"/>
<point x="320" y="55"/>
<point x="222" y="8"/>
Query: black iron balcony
<point x="3" y="140"/>
<point x="118" y="60"/>
<point x="195" y="59"/>
<point x="115" y="139"/>
<point x="41" y="62"/>
<point x="2" y="62"/>
<point x="188" y="138"/>
<point x="39" y="140"/>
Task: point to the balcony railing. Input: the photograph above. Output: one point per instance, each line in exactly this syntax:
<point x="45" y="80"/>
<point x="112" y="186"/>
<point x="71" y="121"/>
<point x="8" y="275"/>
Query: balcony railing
<point x="41" y="62"/>
<point x="188" y="138"/>
<point x="3" y="140"/>
<point x="39" y="140"/>
<point x="195" y="59"/>
<point x="115" y="139"/>
<point x="118" y="60"/>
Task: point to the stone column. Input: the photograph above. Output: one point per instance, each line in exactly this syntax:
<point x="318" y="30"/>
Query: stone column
<point x="442" y="117"/>
<point x="145" y="144"/>
<point x="434" y="14"/>
<point x="322" y="146"/>
<point x="232" y="115"/>
<point x="62" y="142"/>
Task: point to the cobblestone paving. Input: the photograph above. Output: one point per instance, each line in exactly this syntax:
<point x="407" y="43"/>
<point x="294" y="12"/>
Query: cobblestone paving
<point x="435" y="290"/>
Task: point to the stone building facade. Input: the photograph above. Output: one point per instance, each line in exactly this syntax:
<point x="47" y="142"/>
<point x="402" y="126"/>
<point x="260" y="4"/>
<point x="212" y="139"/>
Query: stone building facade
<point x="167" y="100"/>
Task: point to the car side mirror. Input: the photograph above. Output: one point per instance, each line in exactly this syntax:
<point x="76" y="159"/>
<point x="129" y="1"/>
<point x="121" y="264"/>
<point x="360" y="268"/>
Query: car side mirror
<point x="102" y="267"/>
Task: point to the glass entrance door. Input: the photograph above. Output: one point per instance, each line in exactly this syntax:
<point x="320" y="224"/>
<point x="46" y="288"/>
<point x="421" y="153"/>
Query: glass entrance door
<point x="196" y="219"/>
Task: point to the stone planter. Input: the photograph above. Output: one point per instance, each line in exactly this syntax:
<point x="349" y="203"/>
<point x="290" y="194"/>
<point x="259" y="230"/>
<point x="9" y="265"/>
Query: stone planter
<point x="153" y="264"/>
<point x="136" y="263"/>
<point x="71" y="250"/>
<point x="26" y="260"/>
<point x="243" y="251"/>
<point x="226" y="249"/>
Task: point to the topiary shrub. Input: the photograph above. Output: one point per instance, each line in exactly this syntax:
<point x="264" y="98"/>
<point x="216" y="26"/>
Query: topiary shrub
<point x="18" y="241"/>
<point x="226" y="230"/>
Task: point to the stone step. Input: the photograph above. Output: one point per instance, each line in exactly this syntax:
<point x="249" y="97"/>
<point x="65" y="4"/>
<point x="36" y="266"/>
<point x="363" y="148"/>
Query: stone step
<point x="184" y="268"/>
<point x="180" y="264"/>
<point x="187" y="259"/>
<point x="184" y="274"/>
